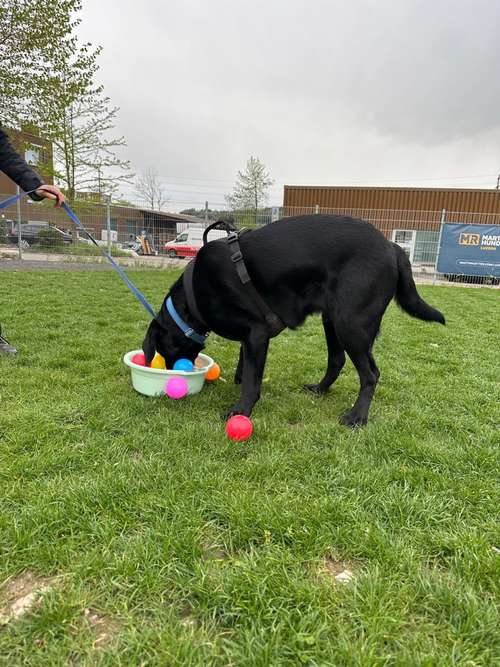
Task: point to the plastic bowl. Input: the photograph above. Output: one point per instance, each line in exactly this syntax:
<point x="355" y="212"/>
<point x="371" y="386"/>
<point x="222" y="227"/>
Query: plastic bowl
<point x="151" y="381"/>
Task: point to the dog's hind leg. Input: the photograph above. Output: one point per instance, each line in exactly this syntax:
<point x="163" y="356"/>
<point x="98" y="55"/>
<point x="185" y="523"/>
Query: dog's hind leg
<point x="254" y="354"/>
<point x="358" y="345"/>
<point x="373" y="365"/>
<point x="336" y="359"/>
<point x="239" y="368"/>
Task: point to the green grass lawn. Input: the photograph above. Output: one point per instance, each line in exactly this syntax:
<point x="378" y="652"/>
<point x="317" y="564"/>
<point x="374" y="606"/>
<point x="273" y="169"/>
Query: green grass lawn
<point x="81" y="249"/>
<point x="166" y="544"/>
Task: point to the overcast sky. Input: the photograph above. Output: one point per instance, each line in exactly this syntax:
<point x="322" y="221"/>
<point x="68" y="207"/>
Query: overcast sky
<point x="361" y="92"/>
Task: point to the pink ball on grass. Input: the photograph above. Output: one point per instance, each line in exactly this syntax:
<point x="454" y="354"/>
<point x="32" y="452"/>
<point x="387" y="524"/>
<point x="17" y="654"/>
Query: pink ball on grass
<point x="176" y="388"/>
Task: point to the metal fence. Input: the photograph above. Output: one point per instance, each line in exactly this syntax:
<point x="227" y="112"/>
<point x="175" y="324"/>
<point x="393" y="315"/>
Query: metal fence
<point x="135" y="231"/>
<point x="38" y="227"/>
<point x="419" y="233"/>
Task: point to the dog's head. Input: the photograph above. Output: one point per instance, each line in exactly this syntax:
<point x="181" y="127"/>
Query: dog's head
<point x="168" y="340"/>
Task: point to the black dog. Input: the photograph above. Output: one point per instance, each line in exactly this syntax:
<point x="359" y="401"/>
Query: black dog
<point x="340" y="267"/>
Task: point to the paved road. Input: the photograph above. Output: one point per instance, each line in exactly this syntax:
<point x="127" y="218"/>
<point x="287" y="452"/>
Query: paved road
<point x="27" y="265"/>
<point x="9" y="261"/>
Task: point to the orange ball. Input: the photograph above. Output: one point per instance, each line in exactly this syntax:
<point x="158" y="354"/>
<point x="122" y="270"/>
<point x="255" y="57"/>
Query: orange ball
<point x="213" y="373"/>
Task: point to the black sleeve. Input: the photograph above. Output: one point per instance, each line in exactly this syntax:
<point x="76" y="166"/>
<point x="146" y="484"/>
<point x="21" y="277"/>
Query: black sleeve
<point x="16" y="168"/>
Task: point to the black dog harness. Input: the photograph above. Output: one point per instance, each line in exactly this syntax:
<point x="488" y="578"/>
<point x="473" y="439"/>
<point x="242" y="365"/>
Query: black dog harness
<point x="273" y="322"/>
<point x="187" y="281"/>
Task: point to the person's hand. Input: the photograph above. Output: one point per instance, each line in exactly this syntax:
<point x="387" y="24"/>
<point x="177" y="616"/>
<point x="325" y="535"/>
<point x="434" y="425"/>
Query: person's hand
<point x="51" y="192"/>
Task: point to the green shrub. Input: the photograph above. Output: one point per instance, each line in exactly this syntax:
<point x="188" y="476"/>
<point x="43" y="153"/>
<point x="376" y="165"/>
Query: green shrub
<point x="50" y="238"/>
<point x="3" y="231"/>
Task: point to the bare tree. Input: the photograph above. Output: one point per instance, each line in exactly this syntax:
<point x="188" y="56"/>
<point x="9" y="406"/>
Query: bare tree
<point x="149" y="188"/>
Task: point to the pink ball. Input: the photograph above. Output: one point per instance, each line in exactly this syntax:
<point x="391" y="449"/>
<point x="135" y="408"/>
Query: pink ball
<point x="139" y="359"/>
<point x="176" y="388"/>
<point x="239" y="427"/>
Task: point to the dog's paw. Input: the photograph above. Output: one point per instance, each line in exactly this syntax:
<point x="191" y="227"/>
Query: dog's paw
<point x="315" y="389"/>
<point x="234" y="410"/>
<point x="353" y="419"/>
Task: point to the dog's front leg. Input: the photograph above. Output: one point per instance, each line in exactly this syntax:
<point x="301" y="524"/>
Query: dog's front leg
<point x="254" y="350"/>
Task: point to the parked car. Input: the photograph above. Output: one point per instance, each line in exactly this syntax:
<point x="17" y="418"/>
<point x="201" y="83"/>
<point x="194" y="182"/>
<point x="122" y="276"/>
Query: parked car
<point x="190" y="241"/>
<point x="474" y="280"/>
<point x="30" y="231"/>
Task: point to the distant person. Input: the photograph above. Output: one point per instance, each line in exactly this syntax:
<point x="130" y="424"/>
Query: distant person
<point x="23" y="175"/>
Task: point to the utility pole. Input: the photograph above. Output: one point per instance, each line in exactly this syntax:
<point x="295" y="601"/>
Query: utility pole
<point x="498" y="182"/>
<point x="206" y="210"/>
<point x="108" y="222"/>
<point x="18" y="207"/>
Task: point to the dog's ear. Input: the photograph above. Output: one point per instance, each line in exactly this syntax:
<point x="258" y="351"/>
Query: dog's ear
<point x="149" y="343"/>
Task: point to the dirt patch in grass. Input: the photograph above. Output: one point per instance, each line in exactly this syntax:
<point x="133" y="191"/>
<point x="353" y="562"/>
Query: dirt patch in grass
<point x="297" y="426"/>
<point x="214" y="552"/>
<point x="104" y="628"/>
<point x="188" y="619"/>
<point x="339" y="571"/>
<point x="211" y="548"/>
<point x="23" y="594"/>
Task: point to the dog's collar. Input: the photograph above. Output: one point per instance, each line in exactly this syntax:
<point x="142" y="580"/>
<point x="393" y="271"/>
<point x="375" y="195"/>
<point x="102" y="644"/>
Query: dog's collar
<point x="188" y="331"/>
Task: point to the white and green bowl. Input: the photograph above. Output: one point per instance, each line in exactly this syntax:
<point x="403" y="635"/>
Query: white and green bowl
<point x="151" y="381"/>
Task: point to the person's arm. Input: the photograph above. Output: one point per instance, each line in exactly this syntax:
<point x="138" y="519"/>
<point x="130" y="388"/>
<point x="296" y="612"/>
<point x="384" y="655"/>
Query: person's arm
<point x="16" y="168"/>
<point x="23" y="175"/>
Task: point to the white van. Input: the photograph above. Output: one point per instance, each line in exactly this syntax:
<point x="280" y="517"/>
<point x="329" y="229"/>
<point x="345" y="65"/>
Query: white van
<point x="190" y="241"/>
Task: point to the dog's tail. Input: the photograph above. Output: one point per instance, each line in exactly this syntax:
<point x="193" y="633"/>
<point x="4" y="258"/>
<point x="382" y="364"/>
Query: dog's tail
<point x="406" y="292"/>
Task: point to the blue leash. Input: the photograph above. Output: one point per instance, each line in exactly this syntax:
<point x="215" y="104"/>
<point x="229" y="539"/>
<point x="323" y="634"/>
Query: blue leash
<point x="137" y="293"/>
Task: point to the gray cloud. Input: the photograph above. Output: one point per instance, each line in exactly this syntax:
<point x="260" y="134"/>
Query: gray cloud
<point x="328" y="92"/>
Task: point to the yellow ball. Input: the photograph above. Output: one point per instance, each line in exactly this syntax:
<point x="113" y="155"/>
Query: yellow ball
<point x="213" y="373"/>
<point x="158" y="362"/>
